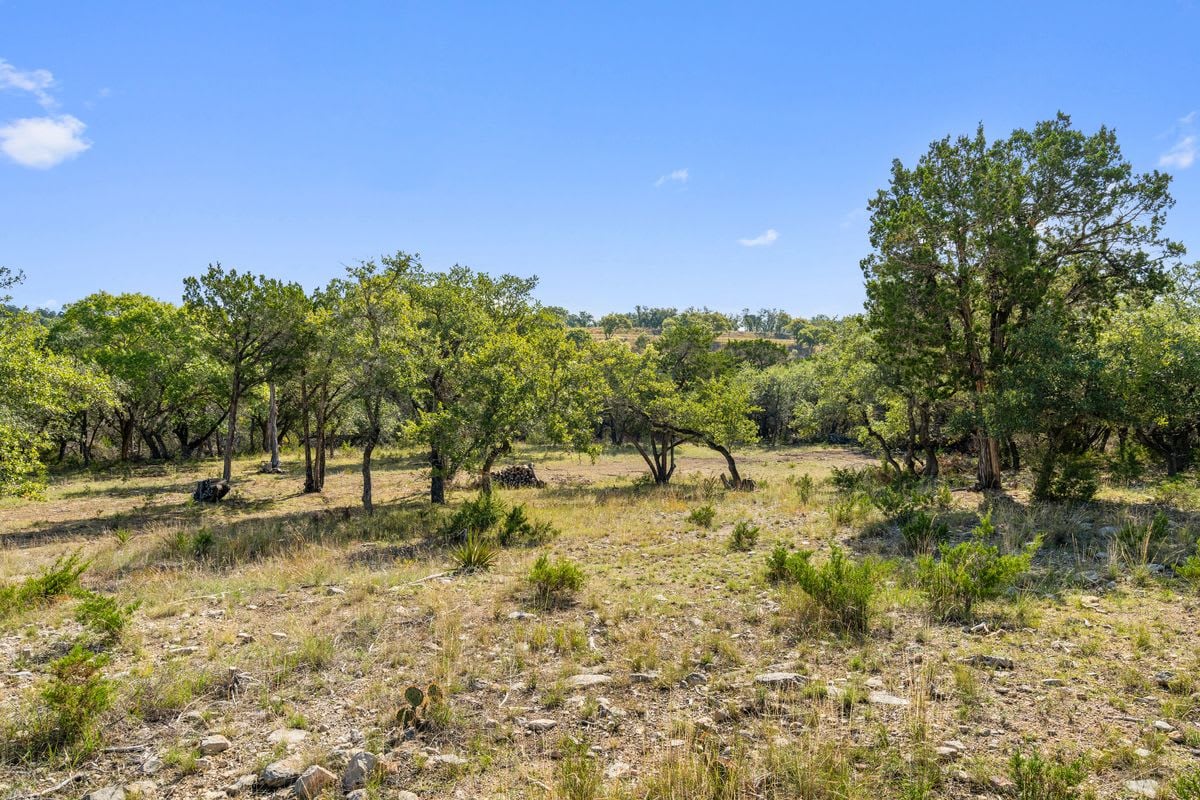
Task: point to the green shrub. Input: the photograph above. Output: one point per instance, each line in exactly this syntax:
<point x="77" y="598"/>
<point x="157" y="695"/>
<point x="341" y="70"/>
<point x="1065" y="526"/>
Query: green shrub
<point x="849" y="509"/>
<point x="744" y="536"/>
<point x="703" y="516"/>
<point x="475" y="554"/>
<point x="201" y="543"/>
<point x="476" y="516"/>
<point x="51" y="582"/>
<point x="777" y="564"/>
<point x="1187" y="785"/>
<point x="103" y="615"/>
<point x="1127" y="466"/>
<point x="1189" y="569"/>
<point x="518" y="529"/>
<point x="805" y="488"/>
<point x="922" y="532"/>
<point x="1037" y="778"/>
<point x="844" y="589"/>
<point x="66" y="714"/>
<point x="1075" y="479"/>
<point x="852" y="479"/>
<point x="554" y="583"/>
<point x="970" y="572"/>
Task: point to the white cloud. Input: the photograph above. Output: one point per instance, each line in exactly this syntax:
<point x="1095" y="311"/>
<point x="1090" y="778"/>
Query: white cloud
<point x="765" y="238"/>
<point x="34" y="81"/>
<point x="43" y="142"/>
<point x="678" y="176"/>
<point x="1188" y="119"/>
<point x="1181" y="155"/>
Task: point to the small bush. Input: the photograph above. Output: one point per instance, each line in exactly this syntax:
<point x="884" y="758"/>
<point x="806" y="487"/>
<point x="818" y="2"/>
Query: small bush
<point x="970" y="572"/>
<point x="103" y="615"/>
<point x="201" y="543"/>
<point x="777" y="564"/>
<point x="1189" y="569"/>
<point x="1038" y="778"/>
<point x="922" y="532"/>
<point x="1187" y="785"/>
<point x="518" y="529"/>
<point x="849" y="509"/>
<point x="476" y="516"/>
<point x="1075" y="479"/>
<point x="805" y="488"/>
<point x="66" y="714"/>
<point x="58" y="579"/>
<point x="843" y="588"/>
<point x="703" y="516"/>
<point x="554" y="583"/>
<point x="476" y="554"/>
<point x="851" y="479"/>
<point x="744" y="536"/>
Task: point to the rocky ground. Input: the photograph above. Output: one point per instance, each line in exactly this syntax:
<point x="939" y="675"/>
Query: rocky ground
<point x="276" y="636"/>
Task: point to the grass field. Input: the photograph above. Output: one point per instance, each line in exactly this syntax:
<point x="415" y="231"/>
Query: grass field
<point x="291" y="625"/>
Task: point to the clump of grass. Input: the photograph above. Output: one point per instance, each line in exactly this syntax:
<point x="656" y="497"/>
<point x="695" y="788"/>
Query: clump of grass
<point x="1189" y="569"/>
<point x="842" y="588"/>
<point x="1187" y="785"/>
<point x="474" y="554"/>
<point x="970" y="572"/>
<point x="65" y="716"/>
<point x="922" y="532"/>
<point x="162" y="694"/>
<point x="59" y="579"/>
<point x="1137" y="543"/>
<point x="554" y="583"/>
<point x="1036" y="777"/>
<point x="703" y="516"/>
<point x="743" y="537"/>
<point x="578" y="775"/>
<point x="849" y="509"/>
<point x="805" y="486"/>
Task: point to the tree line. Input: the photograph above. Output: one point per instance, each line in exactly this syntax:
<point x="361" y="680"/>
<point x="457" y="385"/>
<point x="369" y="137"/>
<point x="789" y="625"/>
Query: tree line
<point x="1024" y="309"/>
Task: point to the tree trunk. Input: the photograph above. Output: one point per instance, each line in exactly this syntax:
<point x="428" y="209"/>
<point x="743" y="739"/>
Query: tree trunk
<point x="485" y="471"/>
<point x="989" y="463"/>
<point x="126" y="428"/>
<point x="273" y="427"/>
<point x="85" y="442"/>
<point x="437" y="480"/>
<point x="367" y="500"/>
<point x="227" y="470"/>
<point x="735" y="480"/>
<point x="310" y="485"/>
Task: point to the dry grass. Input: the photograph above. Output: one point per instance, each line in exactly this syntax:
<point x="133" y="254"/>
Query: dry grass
<point x="283" y="610"/>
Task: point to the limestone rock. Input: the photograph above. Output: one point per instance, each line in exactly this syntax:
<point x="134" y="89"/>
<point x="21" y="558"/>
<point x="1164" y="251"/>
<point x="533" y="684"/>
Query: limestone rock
<point x="282" y="772"/>
<point x="360" y="769"/>
<point x="211" y="745"/>
<point x="313" y="781"/>
<point x="586" y="680"/>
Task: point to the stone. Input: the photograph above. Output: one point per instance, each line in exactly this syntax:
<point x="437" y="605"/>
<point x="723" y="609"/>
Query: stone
<point x="780" y="679"/>
<point x="245" y="638"/>
<point x="1162" y="726"/>
<point x="1053" y="682"/>
<point x="107" y="793"/>
<point x="586" y="680"/>
<point x="643" y="677"/>
<point x="282" y="773"/>
<point x="287" y="736"/>
<point x="1146" y="787"/>
<point x="357" y="794"/>
<point x="1142" y="752"/>
<point x="875" y="682"/>
<point x="142" y="790"/>
<point x="361" y="767"/>
<point x="152" y="765"/>
<point x="406" y="795"/>
<point x="541" y="725"/>
<point x="991" y="662"/>
<point x="695" y="679"/>
<point x="885" y="699"/>
<point x="449" y="759"/>
<point x="617" y="769"/>
<point x="312" y="781"/>
<point x="211" y="745"/>
<point x="521" y="615"/>
<point x="245" y="783"/>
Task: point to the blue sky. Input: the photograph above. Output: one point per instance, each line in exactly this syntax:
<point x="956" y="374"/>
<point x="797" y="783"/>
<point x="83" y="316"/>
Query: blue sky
<point x="655" y="153"/>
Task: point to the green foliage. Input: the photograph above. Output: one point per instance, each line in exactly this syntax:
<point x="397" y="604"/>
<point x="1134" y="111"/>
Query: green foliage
<point x="843" y="588"/>
<point x="922" y="532"/>
<point x="970" y="572"/>
<point x="777" y="564"/>
<point x="67" y="710"/>
<point x="104" y="615"/>
<point x="743" y="537"/>
<point x="703" y="516"/>
<point x="554" y="583"/>
<point x="1187" y="785"/>
<point x="1036" y="777"/>
<point x="1137" y="543"/>
<point x="422" y="709"/>
<point x="474" y="554"/>
<point x="577" y="776"/>
<point x="60" y="578"/>
<point x="805" y="486"/>
<point x="849" y="509"/>
<point x="474" y="518"/>
<point x="517" y="528"/>
<point x="1189" y="569"/>
<point x="1076" y="480"/>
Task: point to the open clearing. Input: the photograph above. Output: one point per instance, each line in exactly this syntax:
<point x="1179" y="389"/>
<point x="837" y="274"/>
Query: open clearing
<point x="290" y="624"/>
